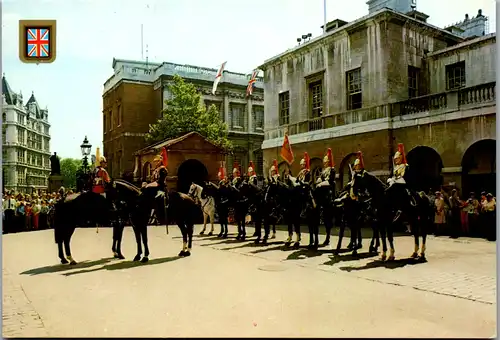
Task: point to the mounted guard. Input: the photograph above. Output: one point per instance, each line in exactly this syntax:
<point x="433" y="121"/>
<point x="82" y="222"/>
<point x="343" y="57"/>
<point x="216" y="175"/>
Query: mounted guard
<point x="274" y="175"/>
<point x="236" y="175"/>
<point x="222" y="205"/>
<point x="100" y="177"/>
<point x="398" y="190"/>
<point x="325" y="192"/>
<point x="304" y="176"/>
<point x="158" y="178"/>
<point x="252" y="176"/>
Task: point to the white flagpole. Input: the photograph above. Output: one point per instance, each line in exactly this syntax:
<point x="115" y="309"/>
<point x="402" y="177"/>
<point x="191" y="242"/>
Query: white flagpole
<point x="324" y="16"/>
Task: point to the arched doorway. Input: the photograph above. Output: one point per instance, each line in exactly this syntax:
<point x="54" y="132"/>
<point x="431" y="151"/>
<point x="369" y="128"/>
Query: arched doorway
<point x="479" y="167"/>
<point x="344" y="170"/>
<point x="191" y="170"/>
<point x="424" y="170"/>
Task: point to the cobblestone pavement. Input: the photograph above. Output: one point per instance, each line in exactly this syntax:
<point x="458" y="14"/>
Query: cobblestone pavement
<point x="232" y="288"/>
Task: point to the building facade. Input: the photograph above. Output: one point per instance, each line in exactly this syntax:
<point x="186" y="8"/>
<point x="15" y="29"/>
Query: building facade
<point x="25" y="143"/>
<point x="389" y="78"/>
<point x="134" y="97"/>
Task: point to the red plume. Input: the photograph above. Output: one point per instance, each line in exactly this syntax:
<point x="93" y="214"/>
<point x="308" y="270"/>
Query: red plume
<point x="329" y="154"/>
<point x="361" y="161"/>
<point x="250" y="165"/>
<point x="164" y="157"/>
<point x="401" y="149"/>
<point x="275" y="164"/>
<point x="308" y="161"/>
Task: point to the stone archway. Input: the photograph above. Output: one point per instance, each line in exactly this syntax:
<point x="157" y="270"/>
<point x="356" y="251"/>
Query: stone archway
<point x="344" y="170"/>
<point x="479" y="168"/>
<point x="424" y="170"/>
<point x="191" y="170"/>
<point x="146" y="172"/>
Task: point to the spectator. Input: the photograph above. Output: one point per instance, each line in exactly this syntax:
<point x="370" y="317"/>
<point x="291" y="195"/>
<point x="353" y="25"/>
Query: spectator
<point x="455" y="210"/>
<point x="36" y="212"/>
<point x="42" y="220"/>
<point x="489" y="210"/>
<point x="440" y="214"/>
<point x="9" y="208"/>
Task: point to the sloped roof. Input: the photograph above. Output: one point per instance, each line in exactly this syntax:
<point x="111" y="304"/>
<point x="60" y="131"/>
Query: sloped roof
<point x="170" y="142"/>
<point x="32" y="100"/>
<point x="10" y="96"/>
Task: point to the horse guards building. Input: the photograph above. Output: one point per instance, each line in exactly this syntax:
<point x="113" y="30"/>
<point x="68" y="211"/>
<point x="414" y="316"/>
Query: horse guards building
<point x="386" y="78"/>
<point x="25" y="143"/>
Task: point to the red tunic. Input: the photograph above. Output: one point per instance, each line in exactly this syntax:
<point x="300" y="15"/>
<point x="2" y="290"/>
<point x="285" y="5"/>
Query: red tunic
<point x="101" y="177"/>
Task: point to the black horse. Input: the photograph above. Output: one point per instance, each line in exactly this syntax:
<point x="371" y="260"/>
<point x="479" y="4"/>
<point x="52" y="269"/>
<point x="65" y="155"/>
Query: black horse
<point x="418" y="214"/>
<point x="77" y="210"/>
<point x="273" y="197"/>
<point x="179" y="208"/>
<point x="241" y="193"/>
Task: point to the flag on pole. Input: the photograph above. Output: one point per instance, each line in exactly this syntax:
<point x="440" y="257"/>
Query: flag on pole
<point x="286" y="151"/>
<point x="164" y="157"/>
<point x="218" y="77"/>
<point x="251" y="82"/>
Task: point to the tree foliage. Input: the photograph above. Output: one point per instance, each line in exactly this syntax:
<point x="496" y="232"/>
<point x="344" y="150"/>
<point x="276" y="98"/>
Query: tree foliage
<point x="69" y="168"/>
<point x="185" y="113"/>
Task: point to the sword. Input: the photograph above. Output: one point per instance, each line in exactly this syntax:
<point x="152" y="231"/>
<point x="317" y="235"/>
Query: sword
<point x="165" y="212"/>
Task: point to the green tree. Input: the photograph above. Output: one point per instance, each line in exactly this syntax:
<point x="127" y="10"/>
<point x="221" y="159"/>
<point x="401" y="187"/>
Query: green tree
<point x="184" y="113"/>
<point x="69" y="167"/>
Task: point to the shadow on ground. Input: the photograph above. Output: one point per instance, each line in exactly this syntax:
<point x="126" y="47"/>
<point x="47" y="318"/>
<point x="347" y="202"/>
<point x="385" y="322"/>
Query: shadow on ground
<point x="349" y="257"/>
<point x="399" y="263"/>
<point x="125" y="265"/>
<point x="65" y="267"/>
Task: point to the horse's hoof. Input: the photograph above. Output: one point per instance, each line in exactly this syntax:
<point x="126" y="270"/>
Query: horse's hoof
<point x="182" y="253"/>
<point x="64" y="261"/>
<point x="255" y="234"/>
<point x="224" y="236"/>
<point x="336" y="252"/>
<point x="257" y="241"/>
<point x="310" y="246"/>
<point x="371" y="250"/>
<point x="187" y="253"/>
<point x="273" y="236"/>
<point x="120" y="257"/>
<point x="202" y="232"/>
<point x="72" y="263"/>
<point x="354" y="252"/>
<point x="264" y="240"/>
<point x="326" y="243"/>
<point x="349" y="246"/>
<point x="145" y="259"/>
<point x="288" y="244"/>
<point x="383" y="257"/>
<point x="220" y="235"/>
<point x="296" y="245"/>
<point x="391" y="258"/>
<point x="414" y="255"/>
<point x="238" y="237"/>
<point x="242" y="238"/>
<point x="210" y="233"/>
<point x="137" y="258"/>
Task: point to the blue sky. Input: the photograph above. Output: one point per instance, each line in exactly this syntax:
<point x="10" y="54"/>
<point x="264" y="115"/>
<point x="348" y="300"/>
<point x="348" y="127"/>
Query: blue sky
<point x="197" y="32"/>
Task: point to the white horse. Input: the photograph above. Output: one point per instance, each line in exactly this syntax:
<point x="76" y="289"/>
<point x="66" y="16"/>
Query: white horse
<point x="207" y="204"/>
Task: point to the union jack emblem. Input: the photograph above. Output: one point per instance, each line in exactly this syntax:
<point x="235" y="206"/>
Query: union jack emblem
<point x="38" y="42"/>
<point x="251" y="83"/>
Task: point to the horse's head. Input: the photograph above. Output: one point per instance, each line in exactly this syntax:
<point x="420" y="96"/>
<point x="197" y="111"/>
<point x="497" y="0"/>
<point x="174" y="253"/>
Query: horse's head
<point x="195" y="191"/>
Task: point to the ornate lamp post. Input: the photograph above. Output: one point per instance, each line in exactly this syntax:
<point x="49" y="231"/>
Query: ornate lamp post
<point x="86" y="147"/>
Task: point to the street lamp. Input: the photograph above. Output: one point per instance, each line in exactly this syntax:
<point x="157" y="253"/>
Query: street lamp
<point x="85" y="147"/>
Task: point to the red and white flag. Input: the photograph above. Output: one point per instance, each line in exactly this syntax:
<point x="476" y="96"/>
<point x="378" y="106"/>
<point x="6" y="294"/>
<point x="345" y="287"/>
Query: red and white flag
<point x="218" y="77"/>
<point x="251" y="82"/>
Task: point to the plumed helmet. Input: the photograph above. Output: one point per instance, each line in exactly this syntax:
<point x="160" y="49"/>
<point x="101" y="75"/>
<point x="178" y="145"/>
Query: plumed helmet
<point x="329" y="158"/>
<point x="158" y="158"/>
<point x="401" y="153"/>
<point x="359" y="161"/>
<point x="274" y="167"/>
<point x="250" y="169"/>
<point x="306" y="161"/>
<point x="103" y="159"/>
<point x="236" y="170"/>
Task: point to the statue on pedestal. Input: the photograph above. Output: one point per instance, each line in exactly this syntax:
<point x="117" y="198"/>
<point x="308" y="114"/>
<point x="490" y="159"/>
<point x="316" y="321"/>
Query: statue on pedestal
<point x="55" y="165"/>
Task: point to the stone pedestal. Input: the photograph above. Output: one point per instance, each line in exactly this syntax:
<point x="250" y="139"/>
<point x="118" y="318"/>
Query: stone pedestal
<point x="55" y="183"/>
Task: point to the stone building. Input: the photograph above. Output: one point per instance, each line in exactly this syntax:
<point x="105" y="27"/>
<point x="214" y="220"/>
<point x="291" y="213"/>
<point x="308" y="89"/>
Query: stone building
<point x="134" y="97"/>
<point x="25" y="142"/>
<point x="388" y="78"/>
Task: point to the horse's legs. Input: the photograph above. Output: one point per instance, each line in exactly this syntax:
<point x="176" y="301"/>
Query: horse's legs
<point x="383" y="236"/>
<point x="390" y="238"/>
<point x="184" y="232"/>
<point x="61" y="253"/>
<point x="67" y="249"/>
<point x="144" y="233"/>
<point x="204" y="222"/>
<point x="137" y="234"/>
<point x="120" y="228"/>
<point x="360" y="238"/>
<point x="212" y="218"/>
<point x="189" y="230"/>
<point x="274" y="231"/>
<point x="258" y="227"/>
<point x="341" y="236"/>
<point x="291" y="223"/>
<point x="243" y="225"/>
<point x="424" y="239"/>
<point x="414" y="226"/>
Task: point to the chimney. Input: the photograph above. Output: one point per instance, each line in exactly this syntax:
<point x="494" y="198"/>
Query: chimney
<point x="402" y="6"/>
<point x="473" y="27"/>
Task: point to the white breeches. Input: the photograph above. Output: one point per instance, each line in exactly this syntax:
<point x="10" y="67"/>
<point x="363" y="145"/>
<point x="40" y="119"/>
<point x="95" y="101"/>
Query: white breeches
<point x="103" y="194"/>
<point x="399" y="180"/>
<point x="322" y="184"/>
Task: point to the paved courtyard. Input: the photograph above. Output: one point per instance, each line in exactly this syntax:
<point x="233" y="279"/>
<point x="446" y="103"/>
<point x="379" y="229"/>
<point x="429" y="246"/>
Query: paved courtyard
<point x="229" y="288"/>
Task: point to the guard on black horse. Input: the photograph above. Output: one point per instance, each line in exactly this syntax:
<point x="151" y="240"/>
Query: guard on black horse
<point x="325" y="193"/>
<point x="222" y="204"/>
<point x="241" y="202"/>
<point x="255" y="203"/>
<point x="398" y="190"/>
<point x="272" y="203"/>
